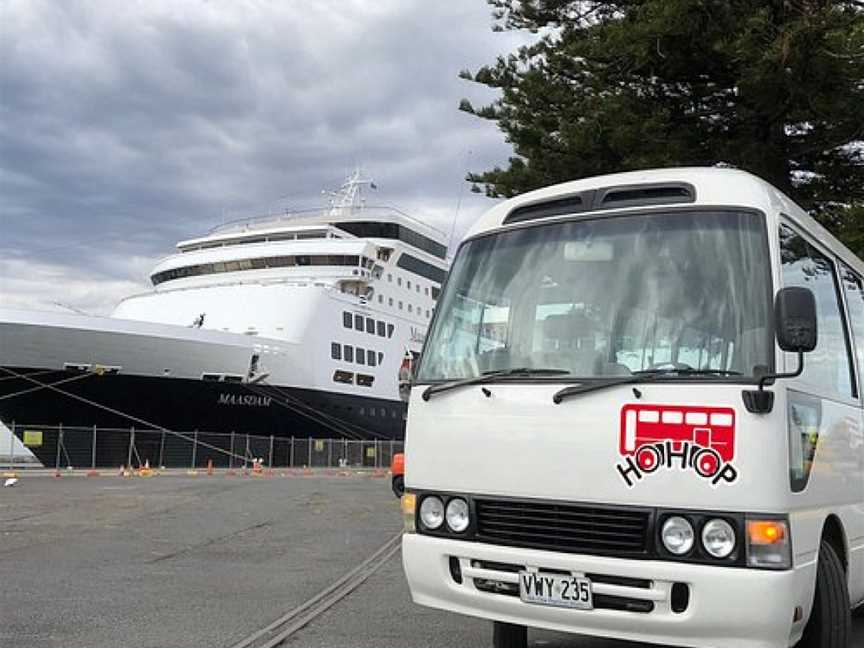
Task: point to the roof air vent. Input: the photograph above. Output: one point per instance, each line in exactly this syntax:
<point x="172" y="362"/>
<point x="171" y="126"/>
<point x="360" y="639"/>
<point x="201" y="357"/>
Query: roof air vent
<point x="560" y="207"/>
<point x="647" y="194"/>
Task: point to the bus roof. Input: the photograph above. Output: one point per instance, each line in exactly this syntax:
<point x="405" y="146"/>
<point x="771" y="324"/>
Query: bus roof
<point x="690" y="186"/>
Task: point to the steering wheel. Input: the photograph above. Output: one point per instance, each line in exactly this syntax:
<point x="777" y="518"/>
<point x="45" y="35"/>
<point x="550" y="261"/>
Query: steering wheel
<point x="669" y="365"/>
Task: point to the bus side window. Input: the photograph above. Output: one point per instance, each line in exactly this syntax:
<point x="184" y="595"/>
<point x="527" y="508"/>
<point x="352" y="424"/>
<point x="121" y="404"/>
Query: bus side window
<point x="803" y="265"/>
<point x="854" y="289"/>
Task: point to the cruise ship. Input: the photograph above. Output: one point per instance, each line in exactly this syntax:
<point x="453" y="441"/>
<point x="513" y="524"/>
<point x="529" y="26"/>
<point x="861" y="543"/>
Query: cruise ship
<point x="302" y="324"/>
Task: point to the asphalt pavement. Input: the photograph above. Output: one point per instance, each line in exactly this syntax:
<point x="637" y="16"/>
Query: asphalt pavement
<point x="179" y="561"/>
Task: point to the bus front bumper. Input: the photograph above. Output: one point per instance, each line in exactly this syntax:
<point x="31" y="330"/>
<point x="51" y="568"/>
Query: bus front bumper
<point x="727" y="607"/>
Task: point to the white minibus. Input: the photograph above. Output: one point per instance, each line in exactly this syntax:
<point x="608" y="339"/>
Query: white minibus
<point x="638" y="415"/>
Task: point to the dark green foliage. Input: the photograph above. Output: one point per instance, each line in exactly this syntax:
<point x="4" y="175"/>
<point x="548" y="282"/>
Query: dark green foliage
<point x="774" y="87"/>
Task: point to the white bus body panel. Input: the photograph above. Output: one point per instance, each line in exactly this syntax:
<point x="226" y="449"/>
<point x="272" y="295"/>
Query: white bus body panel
<point x="518" y="443"/>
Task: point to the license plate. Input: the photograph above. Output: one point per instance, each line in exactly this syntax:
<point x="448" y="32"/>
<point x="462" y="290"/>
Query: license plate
<point x="556" y="589"/>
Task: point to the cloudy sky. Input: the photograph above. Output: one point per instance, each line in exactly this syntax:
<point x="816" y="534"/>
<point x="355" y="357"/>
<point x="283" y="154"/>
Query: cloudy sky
<point x="126" y="126"/>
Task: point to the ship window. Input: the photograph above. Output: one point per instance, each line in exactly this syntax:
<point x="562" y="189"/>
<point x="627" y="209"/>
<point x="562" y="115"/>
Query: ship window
<point x="208" y="377"/>
<point x="435" y="293"/>
<point x="361" y="356"/>
<point x="365" y="380"/>
<point x="398" y="281"/>
<point x="389" y="301"/>
<point x="410" y="308"/>
<point x="370" y="357"/>
<point x="417" y="286"/>
<point x="370" y="325"/>
<point x="381" y="331"/>
<point x="335" y="350"/>
<point x="346" y="319"/>
<point x="389" y="277"/>
<point x="371" y="411"/>
<point x="393" y="231"/>
<point x="409" y="285"/>
<point x="232" y="379"/>
<point x="380" y="357"/>
<point x="254" y="264"/>
<point x="348" y="351"/>
<point x="380" y="299"/>
<point x="343" y="377"/>
<point x="390" y="328"/>
<point x="418" y="267"/>
<point x="358" y="322"/>
<point x="426" y="291"/>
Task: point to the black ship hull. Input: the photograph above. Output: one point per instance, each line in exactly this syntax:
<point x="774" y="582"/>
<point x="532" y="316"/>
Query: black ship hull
<point x="168" y="414"/>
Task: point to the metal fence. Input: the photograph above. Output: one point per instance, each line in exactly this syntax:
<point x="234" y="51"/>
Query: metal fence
<point x="78" y="447"/>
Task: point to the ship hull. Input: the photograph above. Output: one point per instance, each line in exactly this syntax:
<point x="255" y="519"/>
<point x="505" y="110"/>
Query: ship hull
<point x="175" y="408"/>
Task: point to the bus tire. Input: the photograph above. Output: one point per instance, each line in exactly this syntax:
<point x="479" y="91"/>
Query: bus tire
<point x="831" y="619"/>
<point x="398" y="485"/>
<point x="508" y="635"/>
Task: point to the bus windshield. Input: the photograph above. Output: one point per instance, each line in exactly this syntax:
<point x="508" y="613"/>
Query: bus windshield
<point x="609" y="297"/>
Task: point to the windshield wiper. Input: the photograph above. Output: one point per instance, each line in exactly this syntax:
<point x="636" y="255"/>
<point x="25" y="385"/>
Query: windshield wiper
<point x="491" y="376"/>
<point x="645" y="375"/>
<point x="688" y="372"/>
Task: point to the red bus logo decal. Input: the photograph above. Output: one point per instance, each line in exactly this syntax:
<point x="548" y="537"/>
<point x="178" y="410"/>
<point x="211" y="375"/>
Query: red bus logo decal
<point x="687" y="438"/>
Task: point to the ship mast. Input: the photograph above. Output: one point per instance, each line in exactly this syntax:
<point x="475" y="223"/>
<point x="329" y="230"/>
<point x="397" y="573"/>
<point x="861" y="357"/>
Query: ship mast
<point x="348" y="198"/>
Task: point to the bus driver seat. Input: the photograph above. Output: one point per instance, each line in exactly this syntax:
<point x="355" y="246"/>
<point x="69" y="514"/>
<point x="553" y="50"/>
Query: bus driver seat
<point x="568" y="343"/>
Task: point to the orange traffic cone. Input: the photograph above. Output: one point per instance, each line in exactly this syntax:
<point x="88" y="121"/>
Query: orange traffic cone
<point x="209" y="466"/>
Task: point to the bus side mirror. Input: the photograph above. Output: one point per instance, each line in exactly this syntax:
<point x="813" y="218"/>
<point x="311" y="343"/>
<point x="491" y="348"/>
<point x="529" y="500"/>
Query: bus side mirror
<point x="795" y="320"/>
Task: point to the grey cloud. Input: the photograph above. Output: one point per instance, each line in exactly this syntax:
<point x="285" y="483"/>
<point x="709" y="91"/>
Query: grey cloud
<point x="126" y="126"/>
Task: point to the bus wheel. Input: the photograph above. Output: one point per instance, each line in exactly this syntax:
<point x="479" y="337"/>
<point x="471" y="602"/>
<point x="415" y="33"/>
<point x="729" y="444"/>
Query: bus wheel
<point x="399" y="485"/>
<point x="507" y="635"/>
<point x="830" y="620"/>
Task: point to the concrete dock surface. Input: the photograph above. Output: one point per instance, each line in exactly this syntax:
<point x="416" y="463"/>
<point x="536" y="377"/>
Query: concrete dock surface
<point x="182" y="561"/>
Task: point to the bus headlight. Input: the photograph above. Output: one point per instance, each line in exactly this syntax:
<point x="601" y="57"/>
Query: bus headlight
<point x="432" y="512"/>
<point x="768" y="544"/>
<point x="677" y="535"/>
<point x="718" y="538"/>
<point x="457" y="515"/>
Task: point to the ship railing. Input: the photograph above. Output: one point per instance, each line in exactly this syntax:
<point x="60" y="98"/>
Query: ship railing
<point x="65" y="448"/>
<point x="317" y="217"/>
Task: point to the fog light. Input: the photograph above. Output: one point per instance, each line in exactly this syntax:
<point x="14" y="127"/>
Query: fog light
<point x="718" y="538"/>
<point x="457" y="515"/>
<point x="677" y="535"/>
<point x="432" y="512"/>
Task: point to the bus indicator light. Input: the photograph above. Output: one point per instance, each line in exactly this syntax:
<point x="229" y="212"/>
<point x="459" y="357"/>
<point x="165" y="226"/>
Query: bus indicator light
<point x="766" y="532"/>
<point x="697" y="439"/>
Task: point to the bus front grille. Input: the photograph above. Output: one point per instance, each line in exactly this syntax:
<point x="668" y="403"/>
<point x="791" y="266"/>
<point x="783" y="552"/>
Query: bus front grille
<point x="571" y="528"/>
